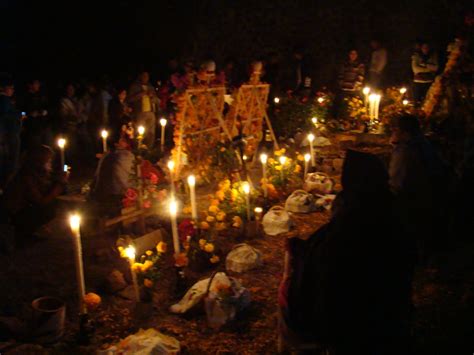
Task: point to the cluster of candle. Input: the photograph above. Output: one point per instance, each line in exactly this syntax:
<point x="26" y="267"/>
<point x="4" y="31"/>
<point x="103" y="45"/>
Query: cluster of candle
<point x="374" y="106"/>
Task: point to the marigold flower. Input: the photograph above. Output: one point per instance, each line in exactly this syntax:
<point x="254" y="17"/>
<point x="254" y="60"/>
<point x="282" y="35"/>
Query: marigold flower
<point x="148" y="283"/>
<point x="220" y="195"/>
<point x="215" y="202"/>
<point x="278" y="167"/>
<point x="213" y="209"/>
<point x="202" y="242"/>
<point x="220" y="226"/>
<point x="205" y="225"/>
<point x="137" y="267"/>
<point x="220" y="216"/>
<point x="300" y="157"/>
<point x="237" y="221"/>
<point x="214" y="259"/>
<point x="161" y="247"/>
<point x="181" y="260"/>
<point x="222" y="149"/>
<point x="297" y="169"/>
<point x="209" y="248"/>
<point x="147" y="265"/>
<point x="92" y="301"/>
<point x="149" y="253"/>
<point x="210" y="219"/>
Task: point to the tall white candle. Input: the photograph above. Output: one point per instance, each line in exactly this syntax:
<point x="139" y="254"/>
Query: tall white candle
<point x="311" y="149"/>
<point x="171" y="170"/>
<point x="263" y="160"/>
<point x="246" y="188"/>
<point x="377" y="106"/>
<point x="307" y="158"/>
<point x="75" y="224"/>
<point x="174" y="225"/>
<point x="104" y="135"/>
<point x="130" y="254"/>
<point x="163" y="126"/>
<point x="192" y="190"/>
<point x="372" y="99"/>
<point x="61" y="144"/>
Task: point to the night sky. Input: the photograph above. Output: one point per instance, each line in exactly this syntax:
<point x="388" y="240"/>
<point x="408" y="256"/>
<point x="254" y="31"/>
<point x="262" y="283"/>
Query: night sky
<point x="71" y="39"/>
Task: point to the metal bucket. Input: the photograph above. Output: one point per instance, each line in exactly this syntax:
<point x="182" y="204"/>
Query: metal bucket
<point x="49" y="314"/>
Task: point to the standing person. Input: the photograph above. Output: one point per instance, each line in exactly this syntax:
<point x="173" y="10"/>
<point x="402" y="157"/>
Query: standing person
<point x="119" y="111"/>
<point x="424" y="64"/>
<point x="143" y="100"/>
<point x="301" y="70"/>
<point x="37" y="126"/>
<point x="71" y="121"/>
<point x="10" y="128"/>
<point x="351" y="74"/>
<point x="378" y="61"/>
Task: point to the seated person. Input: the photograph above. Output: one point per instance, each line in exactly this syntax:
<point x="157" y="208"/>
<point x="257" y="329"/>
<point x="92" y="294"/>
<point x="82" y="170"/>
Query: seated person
<point x="29" y="199"/>
<point x="347" y="287"/>
<point x="112" y="177"/>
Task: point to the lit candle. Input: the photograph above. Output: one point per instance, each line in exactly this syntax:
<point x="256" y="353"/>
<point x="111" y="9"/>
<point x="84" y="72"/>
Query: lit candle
<point x="174" y="224"/>
<point x="372" y="99"/>
<point x="258" y="214"/>
<point x="163" y="122"/>
<point x="282" y="162"/>
<point x="405" y="102"/>
<point x="141" y="132"/>
<point x="61" y="145"/>
<point x="311" y="149"/>
<point x="104" y="135"/>
<point x="314" y="120"/>
<point x="246" y="188"/>
<point x="244" y="157"/>
<point x="307" y="158"/>
<point x="320" y="100"/>
<point x="276" y="100"/>
<point x="366" y="92"/>
<point x="171" y="169"/>
<point x="263" y="160"/>
<point x="192" y="184"/>
<point x="75" y="224"/>
<point x="130" y="254"/>
<point x="403" y="91"/>
<point x="377" y="106"/>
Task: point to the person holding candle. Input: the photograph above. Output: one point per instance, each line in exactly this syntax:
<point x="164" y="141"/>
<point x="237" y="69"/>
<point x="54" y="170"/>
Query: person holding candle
<point x="144" y="102"/>
<point x="29" y="199"/>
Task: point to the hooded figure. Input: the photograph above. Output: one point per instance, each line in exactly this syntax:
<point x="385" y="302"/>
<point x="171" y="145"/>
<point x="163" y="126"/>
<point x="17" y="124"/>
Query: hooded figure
<point x="348" y="285"/>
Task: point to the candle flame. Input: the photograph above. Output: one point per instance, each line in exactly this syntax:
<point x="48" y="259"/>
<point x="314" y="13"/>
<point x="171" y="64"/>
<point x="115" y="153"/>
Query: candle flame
<point x="130" y="252"/>
<point x="314" y="120"/>
<point x="366" y="90"/>
<point x="320" y="100"/>
<point x="75" y="222"/>
<point x="276" y="100"/>
<point x="405" y="102"/>
<point x="141" y="130"/>
<point x="282" y="160"/>
<point x="307" y="157"/>
<point x="104" y="133"/>
<point x="258" y="209"/>
<point x="61" y="143"/>
<point x="191" y="180"/>
<point x="163" y="122"/>
<point x="403" y="90"/>
<point x="311" y="137"/>
<point x="170" y="165"/>
<point x="263" y="158"/>
<point x="173" y="207"/>
<point x="246" y="187"/>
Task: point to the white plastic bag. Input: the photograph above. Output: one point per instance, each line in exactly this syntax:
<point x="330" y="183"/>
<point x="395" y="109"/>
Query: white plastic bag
<point x="242" y="258"/>
<point x="300" y="201"/>
<point x="144" y="342"/>
<point x="318" y="182"/>
<point x="276" y="221"/>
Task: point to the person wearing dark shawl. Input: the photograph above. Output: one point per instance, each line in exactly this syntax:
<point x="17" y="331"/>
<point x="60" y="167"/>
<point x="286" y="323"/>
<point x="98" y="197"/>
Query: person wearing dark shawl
<point x="347" y="287"/>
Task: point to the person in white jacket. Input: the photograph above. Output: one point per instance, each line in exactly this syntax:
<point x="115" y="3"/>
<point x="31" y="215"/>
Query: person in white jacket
<point x="378" y="62"/>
